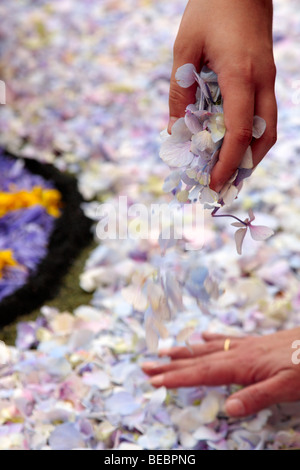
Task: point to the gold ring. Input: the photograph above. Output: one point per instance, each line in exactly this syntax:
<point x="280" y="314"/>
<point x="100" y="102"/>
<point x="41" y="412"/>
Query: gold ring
<point x="226" y="344"/>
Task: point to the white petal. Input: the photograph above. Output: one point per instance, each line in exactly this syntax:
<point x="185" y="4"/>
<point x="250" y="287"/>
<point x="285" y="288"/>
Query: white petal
<point x="208" y="196"/>
<point x="259" y="127"/>
<point x="230" y="195"/>
<point x="247" y="161"/>
<point x="176" y="154"/>
<point x="184" y="334"/>
<point x="233" y="177"/>
<point x="180" y="132"/>
<point x="182" y="196"/>
<point x="134" y="295"/>
<point x="260" y="232"/>
<point x="172" y="180"/>
<point x="151" y="335"/>
<point x="194" y="194"/>
<point x="212" y="287"/>
<point x="164" y="135"/>
<point x="209" y="408"/>
<point x="185" y="75"/>
<point x="204" y="433"/>
<point x="216" y="126"/>
<point x="160" y="327"/>
<point x="202" y="141"/>
<point x="192" y="122"/>
<point x="239" y="238"/>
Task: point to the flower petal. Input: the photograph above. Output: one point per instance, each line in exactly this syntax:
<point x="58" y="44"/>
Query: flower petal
<point x="259" y="127"/>
<point x="192" y="122"/>
<point x="216" y="126"/>
<point x="184" y="334"/>
<point x="208" y="196"/>
<point x="230" y="195"/>
<point x="176" y="154"/>
<point x="239" y="238"/>
<point x="202" y="141"/>
<point x="185" y="75"/>
<point x="238" y="224"/>
<point x="251" y="215"/>
<point x="172" y="181"/>
<point x="260" y="232"/>
<point x="180" y="132"/>
<point x="247" y="160"/>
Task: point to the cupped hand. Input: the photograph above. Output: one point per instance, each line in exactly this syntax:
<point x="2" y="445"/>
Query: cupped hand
<point x="234" y="39"/>
<point x="267" y="366"/>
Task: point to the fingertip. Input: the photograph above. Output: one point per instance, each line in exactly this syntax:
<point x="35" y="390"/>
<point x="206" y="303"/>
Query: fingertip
<point x="235" y="408"/>
<point x="157" y="381"/>
<point x="171" y="123"/>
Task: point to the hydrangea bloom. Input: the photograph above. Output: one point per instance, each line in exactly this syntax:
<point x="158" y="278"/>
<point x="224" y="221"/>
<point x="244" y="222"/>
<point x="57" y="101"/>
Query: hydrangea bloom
<point x="193" y="147"/>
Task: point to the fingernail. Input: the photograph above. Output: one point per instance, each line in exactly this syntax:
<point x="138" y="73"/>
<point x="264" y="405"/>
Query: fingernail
<point x="235" y="407"/>
<point x="172" y="121"/>
<point x="149" y="365"/>
<point x="157" y="381"/>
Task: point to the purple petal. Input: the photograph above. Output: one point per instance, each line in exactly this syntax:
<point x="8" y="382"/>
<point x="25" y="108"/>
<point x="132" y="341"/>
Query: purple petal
<point x="66" y="437"/>
<point x="185" y="75"/>
<point x="260" y="232"/>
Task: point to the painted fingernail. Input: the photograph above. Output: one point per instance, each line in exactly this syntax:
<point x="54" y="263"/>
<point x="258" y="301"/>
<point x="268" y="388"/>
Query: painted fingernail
<point x="157" y="381"/>
<point x="235" y="407"/>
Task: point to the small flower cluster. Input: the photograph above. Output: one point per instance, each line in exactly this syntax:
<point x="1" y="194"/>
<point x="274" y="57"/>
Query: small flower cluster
<point x="193" y="148"/>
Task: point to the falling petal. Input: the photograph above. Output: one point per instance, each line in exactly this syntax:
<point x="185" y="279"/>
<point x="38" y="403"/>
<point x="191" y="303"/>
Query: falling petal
<point x="184" y="334"/>
<point x="151" y="338"/>
<point x="134" y="295"/>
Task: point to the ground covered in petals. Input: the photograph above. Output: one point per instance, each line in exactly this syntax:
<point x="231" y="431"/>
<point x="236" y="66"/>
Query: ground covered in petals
<point x="87" y="90"/>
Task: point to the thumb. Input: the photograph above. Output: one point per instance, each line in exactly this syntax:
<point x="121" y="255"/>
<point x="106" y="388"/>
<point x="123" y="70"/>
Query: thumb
<point x="259" y="396"/>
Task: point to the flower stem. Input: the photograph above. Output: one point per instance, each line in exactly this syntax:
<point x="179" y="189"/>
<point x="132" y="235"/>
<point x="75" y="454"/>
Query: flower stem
<point x="228" y="215"/>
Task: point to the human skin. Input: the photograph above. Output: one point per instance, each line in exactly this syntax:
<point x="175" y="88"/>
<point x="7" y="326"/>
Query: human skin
<point x="234" y="39"/>
<point x="262" y="364"/>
